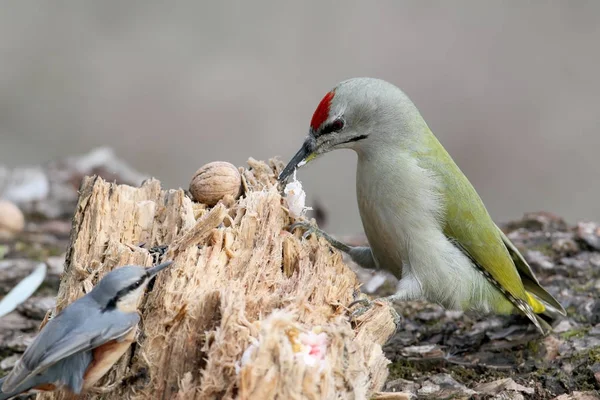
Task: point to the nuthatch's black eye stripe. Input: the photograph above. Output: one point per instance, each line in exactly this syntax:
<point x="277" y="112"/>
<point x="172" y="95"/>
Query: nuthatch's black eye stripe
<point x="123" y="292"/>
<point x="137" y="284"/>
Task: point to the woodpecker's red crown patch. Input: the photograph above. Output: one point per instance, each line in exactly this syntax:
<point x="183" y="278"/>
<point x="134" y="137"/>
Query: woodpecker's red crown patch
<point x="322" y="111"/>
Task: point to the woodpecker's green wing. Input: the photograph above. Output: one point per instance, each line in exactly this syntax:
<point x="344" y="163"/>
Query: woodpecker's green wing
<point x="530" y="282"/>
<point x="468" y="224"/>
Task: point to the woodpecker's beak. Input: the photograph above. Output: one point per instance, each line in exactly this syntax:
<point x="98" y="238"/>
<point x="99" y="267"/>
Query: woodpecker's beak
<point x="303" y="156"/>
<point x="155" y="270"/>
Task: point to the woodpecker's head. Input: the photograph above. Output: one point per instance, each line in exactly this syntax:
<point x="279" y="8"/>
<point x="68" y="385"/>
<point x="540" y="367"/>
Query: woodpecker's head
<point x="123" y="287"/>
<point x="358" y="114"/>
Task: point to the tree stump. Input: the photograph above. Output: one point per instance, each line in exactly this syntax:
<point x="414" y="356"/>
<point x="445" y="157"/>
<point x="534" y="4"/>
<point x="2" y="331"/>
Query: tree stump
<point x="234" y="316"/>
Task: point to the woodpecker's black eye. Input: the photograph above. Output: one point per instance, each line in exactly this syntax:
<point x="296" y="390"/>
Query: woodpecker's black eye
<point x="334" y="126"/>
<point x="337" y="125"/>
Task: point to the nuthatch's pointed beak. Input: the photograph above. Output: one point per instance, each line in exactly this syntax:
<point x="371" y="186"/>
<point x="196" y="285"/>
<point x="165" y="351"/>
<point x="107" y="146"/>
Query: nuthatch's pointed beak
<point x="155" y="270"/>
<point x="304" y="155"/>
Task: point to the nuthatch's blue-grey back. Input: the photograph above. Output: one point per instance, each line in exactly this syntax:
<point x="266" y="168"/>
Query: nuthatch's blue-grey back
<point x="77" y="347"/>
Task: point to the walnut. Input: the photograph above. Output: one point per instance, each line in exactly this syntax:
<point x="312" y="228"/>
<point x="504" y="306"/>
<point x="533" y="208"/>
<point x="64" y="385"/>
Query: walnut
<point x="12" y="221"/>
<point x="214" y="181"/>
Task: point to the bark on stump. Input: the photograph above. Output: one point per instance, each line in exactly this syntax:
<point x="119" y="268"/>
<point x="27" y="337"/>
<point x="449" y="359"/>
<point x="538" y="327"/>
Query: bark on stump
<point x="239" y="280"/>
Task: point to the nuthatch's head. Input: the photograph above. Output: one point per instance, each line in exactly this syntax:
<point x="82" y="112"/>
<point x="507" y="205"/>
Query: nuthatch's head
<point x="123" y="287"/>
<point x="359" y="114"/>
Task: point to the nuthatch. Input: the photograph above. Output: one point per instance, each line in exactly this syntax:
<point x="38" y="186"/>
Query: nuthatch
<point x="77" y="347"/>
<point x="423" y="219"/>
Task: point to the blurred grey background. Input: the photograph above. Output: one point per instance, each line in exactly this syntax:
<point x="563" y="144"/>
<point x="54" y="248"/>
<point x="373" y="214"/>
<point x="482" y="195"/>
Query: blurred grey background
<point x="512" y="89"/>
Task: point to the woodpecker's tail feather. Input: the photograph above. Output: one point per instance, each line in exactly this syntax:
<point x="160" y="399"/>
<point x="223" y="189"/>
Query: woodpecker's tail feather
<point x="544" y="310"/>
<point x="552" y="308"/>
<point x="545" y="325"/>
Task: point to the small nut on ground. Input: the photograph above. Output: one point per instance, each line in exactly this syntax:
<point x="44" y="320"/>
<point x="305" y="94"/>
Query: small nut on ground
<point x="214" y="181"/>
<point x="12" y="221"/>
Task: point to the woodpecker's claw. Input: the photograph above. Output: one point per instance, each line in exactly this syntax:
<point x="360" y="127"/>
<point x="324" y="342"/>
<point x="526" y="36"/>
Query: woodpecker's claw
<point x="368" y="304"/>
<point x="364" y="302"/>
<point x="157" y="252"/>
<point x="310" y="229"/>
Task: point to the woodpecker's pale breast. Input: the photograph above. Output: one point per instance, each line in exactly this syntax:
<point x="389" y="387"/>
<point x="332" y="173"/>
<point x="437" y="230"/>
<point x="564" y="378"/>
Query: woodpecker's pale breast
<point x="402" y="213"/>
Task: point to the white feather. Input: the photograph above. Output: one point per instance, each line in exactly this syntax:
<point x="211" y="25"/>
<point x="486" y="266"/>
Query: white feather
<point x="23" y="290"/>
<point x="295" y="198"/>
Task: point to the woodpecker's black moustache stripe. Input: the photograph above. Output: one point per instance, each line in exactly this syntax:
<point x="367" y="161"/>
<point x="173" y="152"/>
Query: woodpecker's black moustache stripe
<point x="356" y="138"/>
